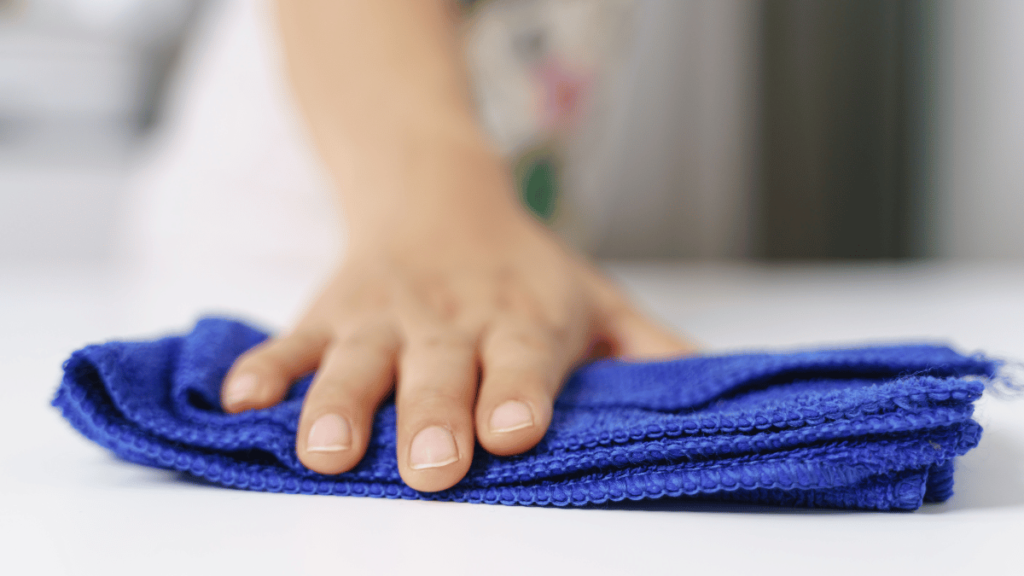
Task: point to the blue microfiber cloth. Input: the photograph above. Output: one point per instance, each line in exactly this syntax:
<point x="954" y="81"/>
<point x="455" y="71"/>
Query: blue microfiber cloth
<point x="872" y="428"/>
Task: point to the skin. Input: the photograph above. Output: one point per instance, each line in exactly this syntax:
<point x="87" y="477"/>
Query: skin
<point x="450" y="294"/>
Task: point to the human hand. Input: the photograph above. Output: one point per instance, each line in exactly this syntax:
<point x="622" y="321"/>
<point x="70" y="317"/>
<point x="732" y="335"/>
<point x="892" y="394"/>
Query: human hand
<point x="473" y="322"/>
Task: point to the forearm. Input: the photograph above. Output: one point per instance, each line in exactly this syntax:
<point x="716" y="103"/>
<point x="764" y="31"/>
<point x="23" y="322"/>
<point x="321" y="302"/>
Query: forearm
<point x="386" y="96"/>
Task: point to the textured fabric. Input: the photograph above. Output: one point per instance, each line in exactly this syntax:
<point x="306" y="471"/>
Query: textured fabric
<point x="872" y="428"/>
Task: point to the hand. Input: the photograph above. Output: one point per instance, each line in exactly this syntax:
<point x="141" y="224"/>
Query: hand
<point x="476" y="323"/>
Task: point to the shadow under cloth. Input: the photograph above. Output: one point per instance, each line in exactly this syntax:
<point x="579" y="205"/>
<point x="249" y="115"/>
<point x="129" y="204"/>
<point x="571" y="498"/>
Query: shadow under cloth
<point x="871" y="428"/>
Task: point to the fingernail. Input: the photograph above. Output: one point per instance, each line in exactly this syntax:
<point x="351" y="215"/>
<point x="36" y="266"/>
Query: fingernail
<point x="330" y="433"/>
<point x="511" y="415"/>
<point x="433" y="447"/>
<point x="240" y="388"/>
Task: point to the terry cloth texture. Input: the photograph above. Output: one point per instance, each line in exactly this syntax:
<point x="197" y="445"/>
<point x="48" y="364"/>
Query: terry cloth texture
<point x="872" y="428"/>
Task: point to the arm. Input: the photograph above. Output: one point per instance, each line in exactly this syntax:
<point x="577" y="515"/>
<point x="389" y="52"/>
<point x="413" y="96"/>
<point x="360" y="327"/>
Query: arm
<point x="450" y="294"/>
<point x="387" y="99"/>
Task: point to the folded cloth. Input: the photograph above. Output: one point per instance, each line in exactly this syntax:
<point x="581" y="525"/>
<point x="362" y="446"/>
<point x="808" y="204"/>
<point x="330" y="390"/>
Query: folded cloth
<point x="870" y="428"/>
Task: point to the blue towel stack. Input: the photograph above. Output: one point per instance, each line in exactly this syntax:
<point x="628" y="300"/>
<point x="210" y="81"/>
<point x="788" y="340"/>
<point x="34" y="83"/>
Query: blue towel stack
<point x="873" y="428"/>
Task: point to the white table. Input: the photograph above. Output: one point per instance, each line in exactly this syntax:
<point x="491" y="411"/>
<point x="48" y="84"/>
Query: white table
<point x="66" y="506"/>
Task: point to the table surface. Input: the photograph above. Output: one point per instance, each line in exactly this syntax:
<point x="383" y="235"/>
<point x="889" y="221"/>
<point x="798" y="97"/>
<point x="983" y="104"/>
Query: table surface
<point x="67" y="506"/>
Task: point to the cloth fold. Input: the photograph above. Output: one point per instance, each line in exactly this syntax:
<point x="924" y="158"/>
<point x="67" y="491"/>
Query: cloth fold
<point x="870" y="428"/>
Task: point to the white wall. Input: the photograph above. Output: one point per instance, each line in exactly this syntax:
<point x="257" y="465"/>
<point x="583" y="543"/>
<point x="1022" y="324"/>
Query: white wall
<point x="979" y="173"/>
<point x="75" y="77"/>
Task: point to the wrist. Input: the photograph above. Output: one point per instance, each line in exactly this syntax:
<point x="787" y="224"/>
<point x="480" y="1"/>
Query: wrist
<point x="421" y="185"/>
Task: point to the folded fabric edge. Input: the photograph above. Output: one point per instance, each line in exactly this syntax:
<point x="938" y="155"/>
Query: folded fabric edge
<point x="90" y="417"/>
<point x="83" y="377"/>
<point x="905" y="491"/>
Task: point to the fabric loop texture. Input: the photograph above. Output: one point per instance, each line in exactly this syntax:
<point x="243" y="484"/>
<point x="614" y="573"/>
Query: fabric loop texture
<point x="870" y="428"/>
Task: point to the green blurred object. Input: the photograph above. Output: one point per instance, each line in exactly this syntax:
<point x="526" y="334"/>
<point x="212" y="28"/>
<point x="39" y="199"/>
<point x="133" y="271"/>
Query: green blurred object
<point x="538" y="185"/>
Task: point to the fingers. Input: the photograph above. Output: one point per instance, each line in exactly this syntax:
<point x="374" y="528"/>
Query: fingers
<point x="337" y="415"/>
<point x="261" y="377"/>
<point x="435" y="393"/>
<point x="519" y="360"/>
<point x="523" y="367"/>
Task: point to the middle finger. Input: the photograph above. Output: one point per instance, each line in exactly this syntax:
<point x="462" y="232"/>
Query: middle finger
<point x="436" y="389"/>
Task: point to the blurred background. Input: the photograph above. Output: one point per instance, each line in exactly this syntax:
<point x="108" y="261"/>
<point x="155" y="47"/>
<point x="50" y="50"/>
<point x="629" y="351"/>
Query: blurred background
<point x="161" y="131"/>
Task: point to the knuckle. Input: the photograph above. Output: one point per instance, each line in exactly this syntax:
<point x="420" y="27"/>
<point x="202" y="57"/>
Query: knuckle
<point x="534" y="341"/>
<point x="343" y="398"/>
<point x="514" y="300"/>
<point x="561" y="328"/>
<point x="431" y="297"/>
<point x="363" y="340"/>
<point x="521" y="341"/>
<point x="440" y="338"/>
<point x="428" y="399"/>
<point x="519" y="377"/>
<point x="441" y="301"/>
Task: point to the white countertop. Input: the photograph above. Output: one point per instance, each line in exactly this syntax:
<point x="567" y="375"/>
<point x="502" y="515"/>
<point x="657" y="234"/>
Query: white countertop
<point x="67" y="506"/>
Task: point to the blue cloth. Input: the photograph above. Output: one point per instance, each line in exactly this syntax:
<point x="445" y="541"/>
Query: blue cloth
<point x="872" y="428"/>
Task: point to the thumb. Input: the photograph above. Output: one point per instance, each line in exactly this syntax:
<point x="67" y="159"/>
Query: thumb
<point x="632" y="335"/>
<point x="623" y="330"/>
